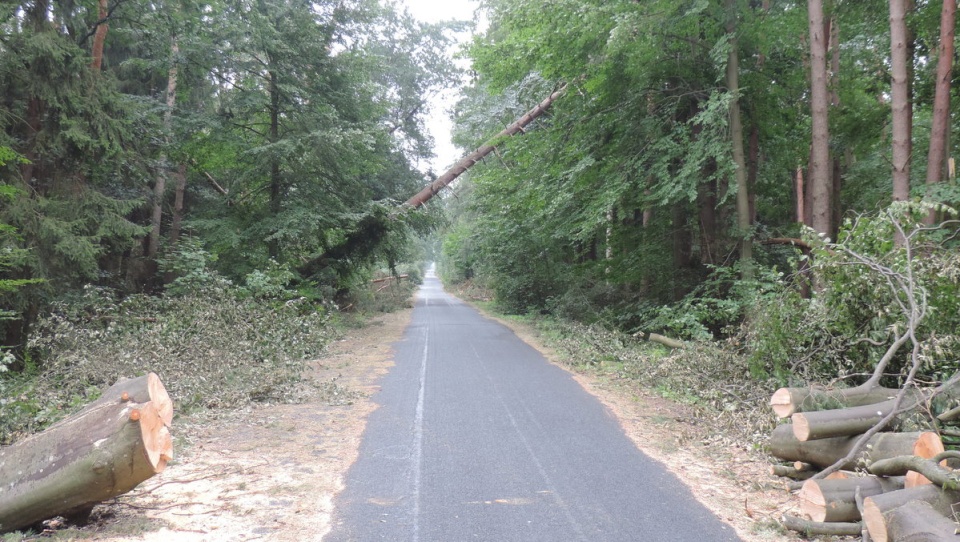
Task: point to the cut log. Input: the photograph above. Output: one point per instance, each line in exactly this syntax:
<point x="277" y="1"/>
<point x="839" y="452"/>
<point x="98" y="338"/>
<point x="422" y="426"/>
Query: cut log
<point x="835" y="500"/>
<point x="839" y="422"/>
<point x="877" y="509"/>
<point x="917" y="521"/>
<point x="787" y="401"/>
<point x="104" y="450"/>
<point x="812" y="528"/>
<point x="790" y="472"/>
<point x="141" y="389"/>
<point x="928" y="446"/>
<point x="825" y="452"/>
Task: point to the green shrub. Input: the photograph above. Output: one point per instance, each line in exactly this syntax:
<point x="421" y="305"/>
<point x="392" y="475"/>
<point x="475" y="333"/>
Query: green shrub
<point x="211" y="349"/>
<point x="854" y="313"/>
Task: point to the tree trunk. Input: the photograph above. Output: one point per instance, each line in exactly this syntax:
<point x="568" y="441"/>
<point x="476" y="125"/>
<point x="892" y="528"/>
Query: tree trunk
<point x="707" y="204"/>
<point x="820" y="183"/>
<point x="900" y="100"/>
<point x="787" y="401"/>
<point x="877" y="508"/>
<point x="176" y="223"/>
<point x="276" y="189"/>
<point x="469" y="160"/>
<point x="160" y="185"/>
<point x="917" y="521"/>
<point x="813" y="528"/>
<point x="940" y="123"/>
<point x="736" y="137"/>
<point x="835" y="500"/>
<point x="835" y="175"/>
<point x="99" y="37"/>
<point x="839" y="422"/>
<point x="825" y="452"/>
<point x="104" y="450"/>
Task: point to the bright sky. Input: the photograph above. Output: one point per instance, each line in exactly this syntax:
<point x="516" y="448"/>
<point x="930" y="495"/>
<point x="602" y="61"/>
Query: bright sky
<point x="438" y="121"/>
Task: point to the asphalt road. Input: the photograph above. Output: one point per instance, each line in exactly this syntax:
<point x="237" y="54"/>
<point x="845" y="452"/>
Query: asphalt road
<point x="479" y="438"/>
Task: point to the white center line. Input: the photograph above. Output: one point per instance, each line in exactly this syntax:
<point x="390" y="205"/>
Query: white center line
<point x="418" y="437"/>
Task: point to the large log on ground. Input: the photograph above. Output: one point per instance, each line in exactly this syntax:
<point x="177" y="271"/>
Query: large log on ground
<point x="877" y="510"/>
<point x="839" y="422"/>
<point x="104" y="450"/>
<point x="813" y="528"/>
<point x="825" y="452"/>
<point x="140" y="389"/>
<point x="835" y="500"/>
<point x="787" y="401"/>
<point x="917" y="521"/>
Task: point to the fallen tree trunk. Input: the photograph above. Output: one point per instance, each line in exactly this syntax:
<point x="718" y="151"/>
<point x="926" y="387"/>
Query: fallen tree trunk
<point x="877" y="507"/>
<point x="917" y="521"/>
<point x="661" y="339"/>
<point x="790" y="472"/>
<point x="813" y="528"/>
<point x="839" y="422"/>
<point x="787" y="401"/>
<point x="469" y="160"/>
<point x="385" y="279"/>
<point x="825" y="452"/>
<point x="835" y="500"/>
<point x="140" y="389"/>
<point x="104" y="450"/>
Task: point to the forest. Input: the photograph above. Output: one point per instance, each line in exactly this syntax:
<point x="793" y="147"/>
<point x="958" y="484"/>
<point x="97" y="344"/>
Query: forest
<point x="731" y="172"/>
<point x="184" y="179"/>
<point x="210" y="189"/>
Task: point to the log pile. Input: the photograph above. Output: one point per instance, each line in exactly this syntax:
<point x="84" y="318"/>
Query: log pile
<point x="857" y="471"/>
<point x="105" y="450"/>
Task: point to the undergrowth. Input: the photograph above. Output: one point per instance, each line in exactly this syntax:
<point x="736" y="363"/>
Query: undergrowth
<point x="215" y="350"/>
<point x="714" y="381"/>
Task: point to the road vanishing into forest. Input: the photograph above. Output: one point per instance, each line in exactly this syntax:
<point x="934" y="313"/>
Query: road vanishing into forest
<point x="478" y="437"/>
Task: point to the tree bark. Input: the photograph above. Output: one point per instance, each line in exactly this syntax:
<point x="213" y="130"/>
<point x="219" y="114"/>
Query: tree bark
<point x="877" y="507"/>
<point x="835" y="500"/>
<point x="104" y="450"/>
<point x="276" y="189"/>
<point x="825" y="452"/>
<point x="820" y="183"/>
<point x="900" y="100"/>
<point x="917" y="521"/>
<point x="940" y="123"/>
<point x="160" y="185"/>
<point x="469" y="160"/>
<point x="835" y="173"/>
<point x="99" y="37"/>
<point x="787" y="401"/>
<point x="736" y="137"/>
<point x="812" y="528"/>
<point x="839" y="422"/>
<point x="176" y="222"/>
<point x="786" y="471"/>
<point x="898" y="466"/>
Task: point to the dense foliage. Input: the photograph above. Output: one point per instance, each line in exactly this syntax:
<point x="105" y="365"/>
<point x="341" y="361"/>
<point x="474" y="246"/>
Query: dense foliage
<point x="275" y="136"/>
<point x="619" y="206"/>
